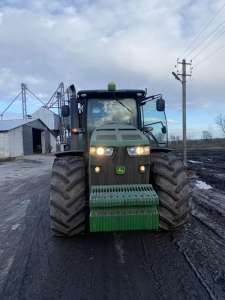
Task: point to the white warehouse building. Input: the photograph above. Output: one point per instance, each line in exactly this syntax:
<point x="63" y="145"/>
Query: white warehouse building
<point x="48" y="117"/>
<point x="25" y="137"/>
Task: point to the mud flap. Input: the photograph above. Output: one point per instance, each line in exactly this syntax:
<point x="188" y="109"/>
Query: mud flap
<point x="123" y="207"/>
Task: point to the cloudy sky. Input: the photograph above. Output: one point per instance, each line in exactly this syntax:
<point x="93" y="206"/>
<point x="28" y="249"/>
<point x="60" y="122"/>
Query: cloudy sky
<point x="135" y="43"/>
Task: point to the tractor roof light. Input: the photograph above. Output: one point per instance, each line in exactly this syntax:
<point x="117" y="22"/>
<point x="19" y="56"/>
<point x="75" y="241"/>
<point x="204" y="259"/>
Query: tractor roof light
<point x="111" y="86"/>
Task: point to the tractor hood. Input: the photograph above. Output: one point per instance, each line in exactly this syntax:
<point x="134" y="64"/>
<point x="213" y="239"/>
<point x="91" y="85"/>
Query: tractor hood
<point x="118" y="136"/>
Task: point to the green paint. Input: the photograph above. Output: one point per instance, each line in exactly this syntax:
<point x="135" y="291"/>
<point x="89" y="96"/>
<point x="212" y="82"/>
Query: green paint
<point x="124" y="220"/>
<point x="123" y="207"/>
<point x="120" y="170"/>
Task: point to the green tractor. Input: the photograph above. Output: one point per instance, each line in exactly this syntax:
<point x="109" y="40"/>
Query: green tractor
<point x="118" y="173"/>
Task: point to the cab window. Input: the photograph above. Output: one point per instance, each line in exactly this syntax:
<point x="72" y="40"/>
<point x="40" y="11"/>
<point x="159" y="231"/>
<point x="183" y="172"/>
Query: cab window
<point x="111" y="111"/>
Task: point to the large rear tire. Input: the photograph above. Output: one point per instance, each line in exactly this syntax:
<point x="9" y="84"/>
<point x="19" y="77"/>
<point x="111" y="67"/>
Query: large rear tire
<point x="171" y="184"/>
<point x="68" y="196"/>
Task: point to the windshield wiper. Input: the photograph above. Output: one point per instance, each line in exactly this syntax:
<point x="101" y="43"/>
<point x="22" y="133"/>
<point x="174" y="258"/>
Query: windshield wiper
<point x="121" y="103"/>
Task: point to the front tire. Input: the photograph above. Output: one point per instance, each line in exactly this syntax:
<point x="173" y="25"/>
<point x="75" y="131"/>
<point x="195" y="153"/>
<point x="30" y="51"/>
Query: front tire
<point x="171" y="184"/>
<point x="68" y="196"/>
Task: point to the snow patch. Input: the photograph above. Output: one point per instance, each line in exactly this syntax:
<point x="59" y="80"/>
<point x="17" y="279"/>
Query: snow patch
<point x="202" y="185"/>
<point x="6" y="267"/>
<point x="15" y="226"/>
<point x="119" y="248"/>
<point x="195" y="162"/>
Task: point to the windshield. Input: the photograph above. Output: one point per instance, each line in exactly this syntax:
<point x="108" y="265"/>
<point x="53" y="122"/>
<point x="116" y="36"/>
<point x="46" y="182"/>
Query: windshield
<point x="109" y="111"/>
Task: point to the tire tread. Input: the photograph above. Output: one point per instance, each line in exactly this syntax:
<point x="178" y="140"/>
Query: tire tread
<point x="67" y="197"/>
<point x="172" y="186"/>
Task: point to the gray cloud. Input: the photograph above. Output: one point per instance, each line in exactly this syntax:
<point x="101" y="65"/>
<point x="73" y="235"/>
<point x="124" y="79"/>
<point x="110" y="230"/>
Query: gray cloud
<point x="134" y="43"/>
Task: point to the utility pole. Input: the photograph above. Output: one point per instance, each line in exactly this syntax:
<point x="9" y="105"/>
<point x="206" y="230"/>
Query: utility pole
<point x="24" y="100"/>
<point x="183" y="80"/>
<point x="184" y="106"/>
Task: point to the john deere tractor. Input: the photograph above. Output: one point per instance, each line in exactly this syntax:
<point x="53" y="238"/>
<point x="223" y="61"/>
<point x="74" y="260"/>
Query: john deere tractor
<point x="117" y="173"/>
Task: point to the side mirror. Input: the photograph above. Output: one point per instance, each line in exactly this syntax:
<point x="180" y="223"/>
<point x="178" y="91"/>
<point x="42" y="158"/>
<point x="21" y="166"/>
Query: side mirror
<point x="160" y="104"/>
<point x="164" y="129"/>
<point x="65" y="110"/>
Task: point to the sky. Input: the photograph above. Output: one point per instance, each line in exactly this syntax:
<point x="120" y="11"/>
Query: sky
<point x="135" y="43"/>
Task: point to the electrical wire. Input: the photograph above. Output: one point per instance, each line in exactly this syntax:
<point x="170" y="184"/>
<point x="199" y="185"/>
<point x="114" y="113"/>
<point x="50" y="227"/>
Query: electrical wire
<point x="208" y="56"/>
<point x="208" y="45"/>
<point x="215" y="31"/>
<point x="203" y="29"/>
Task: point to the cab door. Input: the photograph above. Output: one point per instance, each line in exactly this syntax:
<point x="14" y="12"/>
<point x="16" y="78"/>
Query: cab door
<point x="154" y="122"/>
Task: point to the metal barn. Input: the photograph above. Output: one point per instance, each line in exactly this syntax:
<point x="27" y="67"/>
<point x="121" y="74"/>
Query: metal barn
<point x="25" y="137"/>
<point x="48" y="117"/>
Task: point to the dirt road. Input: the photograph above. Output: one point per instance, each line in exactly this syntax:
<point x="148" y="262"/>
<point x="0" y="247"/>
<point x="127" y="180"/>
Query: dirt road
<point x="139" y="265"/>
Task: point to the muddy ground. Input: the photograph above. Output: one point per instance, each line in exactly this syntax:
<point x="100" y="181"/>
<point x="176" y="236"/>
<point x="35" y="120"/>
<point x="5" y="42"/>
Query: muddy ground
<point x="138" y="265"/>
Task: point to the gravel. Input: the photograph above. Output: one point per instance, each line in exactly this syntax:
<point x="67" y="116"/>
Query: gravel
<point x="188" y="264"/>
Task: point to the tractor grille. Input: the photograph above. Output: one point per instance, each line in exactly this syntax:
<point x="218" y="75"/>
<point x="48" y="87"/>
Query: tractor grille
<point x="123" y="195"/>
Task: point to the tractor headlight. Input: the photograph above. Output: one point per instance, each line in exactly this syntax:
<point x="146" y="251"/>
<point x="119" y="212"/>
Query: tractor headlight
<point x="138" y="151"/>
<point x="101" y="151"/>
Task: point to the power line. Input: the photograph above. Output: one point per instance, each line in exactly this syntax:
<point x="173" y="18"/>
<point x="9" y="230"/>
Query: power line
<point x="208" y="45"/>
<point x="215" y="31"/>
<point x="204" y="28"/>
<point x="214" y="52"/>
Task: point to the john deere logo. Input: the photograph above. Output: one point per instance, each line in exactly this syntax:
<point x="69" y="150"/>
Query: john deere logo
<point x="120" y="170"/>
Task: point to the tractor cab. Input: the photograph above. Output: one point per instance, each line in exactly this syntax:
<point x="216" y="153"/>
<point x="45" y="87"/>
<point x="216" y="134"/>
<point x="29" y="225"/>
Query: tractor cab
<point x="97" y="108"/>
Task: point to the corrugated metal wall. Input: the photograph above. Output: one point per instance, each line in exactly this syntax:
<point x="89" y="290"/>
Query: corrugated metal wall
<point x="47" y="117"/>
<point x="4" y="144"/>
<point x="19" y="141"/>
<point x="16" y="142"/>
<point x="11" y="143"/>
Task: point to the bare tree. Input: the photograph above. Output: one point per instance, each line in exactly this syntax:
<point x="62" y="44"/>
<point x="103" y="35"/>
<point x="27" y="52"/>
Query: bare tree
<point x="220" y="121"/>
<point x="172" y="138"/>
<point x="206" y="135"/>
